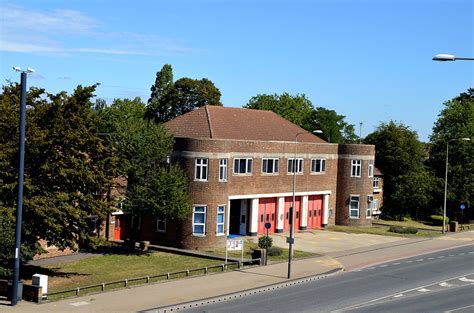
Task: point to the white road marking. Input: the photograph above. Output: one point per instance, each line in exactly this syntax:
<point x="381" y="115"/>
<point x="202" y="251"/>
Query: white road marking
<point x="419" y="260"/>
<point x="451" y="255"/>
<point x="384" y="265"/>
<point x="458" y="309"/>
<point x="462" y="253"/>
<point x="445" y="284"/>
<point x="430" y="258"/>
<point x="80" y="303"/>
<point x="441" y="256"/>
<point x="409" y="262"/>
<point x="472" y="252"/>
<point x="423" y="290"/>
<point x="371" y="268"/>
<point x="467" y="280"/>
<point x="398" y="263"/>
<point x="398" y="296"/>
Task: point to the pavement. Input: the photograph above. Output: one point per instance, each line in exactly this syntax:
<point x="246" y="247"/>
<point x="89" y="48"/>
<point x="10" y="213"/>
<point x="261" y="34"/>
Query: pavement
<point x="348" y="252"/>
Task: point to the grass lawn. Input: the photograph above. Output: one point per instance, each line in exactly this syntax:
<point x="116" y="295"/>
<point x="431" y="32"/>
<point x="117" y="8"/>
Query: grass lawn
<point x="407" y="223"/>
<point x="382" y="230"/>
<point x="113" y="267"/>
<point x="249" y="246"/>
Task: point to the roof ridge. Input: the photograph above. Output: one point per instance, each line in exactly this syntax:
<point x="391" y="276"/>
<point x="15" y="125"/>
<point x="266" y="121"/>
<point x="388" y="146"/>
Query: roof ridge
<point x="209" y="120"/>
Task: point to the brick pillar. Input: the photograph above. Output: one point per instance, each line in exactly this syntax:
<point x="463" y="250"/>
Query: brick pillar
<point x="304" y="213"/>
<point x="280" y="214"/>
<point x="325" y="210"/>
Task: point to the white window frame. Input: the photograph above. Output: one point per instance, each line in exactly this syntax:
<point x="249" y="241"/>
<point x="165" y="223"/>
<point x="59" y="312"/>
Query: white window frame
<point x="370" y="206"/>
<point x="299" y="165"/>
<point x="376" y="182"/>
<point x="220" y="211"/>
<point x="322" y="165"/>
<point x="203" y="234"/>
<point x="158" y="230"/>
<point x="356" y="168"/>
<point x="275" y="168"/>
<point x="358" y="206"/>
<point x="248" y="166"/>
<point x="222" y="170"/>
<point x="371" y="168"/>
<point x="202" y="164"/>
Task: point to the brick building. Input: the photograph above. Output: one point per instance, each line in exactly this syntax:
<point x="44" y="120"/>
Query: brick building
<point x="241" y="164"/>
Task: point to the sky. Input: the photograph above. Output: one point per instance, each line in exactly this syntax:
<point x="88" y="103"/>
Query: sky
<point x="368" y="60"/>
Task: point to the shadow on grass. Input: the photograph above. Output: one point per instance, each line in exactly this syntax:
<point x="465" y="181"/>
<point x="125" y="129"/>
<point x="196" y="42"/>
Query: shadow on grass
<point x="29" y="270"/>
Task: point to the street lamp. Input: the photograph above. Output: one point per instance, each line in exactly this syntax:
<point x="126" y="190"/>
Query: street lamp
<point x="319" y="131"/>
<point x="21" y="171"/>
<point x="449" y="57"/>
<point x="292" y="209"/>
<point x="446" y="179"/>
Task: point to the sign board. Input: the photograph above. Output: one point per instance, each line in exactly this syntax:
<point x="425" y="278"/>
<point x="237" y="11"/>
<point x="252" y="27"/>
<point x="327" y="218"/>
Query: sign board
<point x="235" y="244"/>
<point x="268" y="225"/>
<point x="462" y="206"/>
<point x="290" y="240"/>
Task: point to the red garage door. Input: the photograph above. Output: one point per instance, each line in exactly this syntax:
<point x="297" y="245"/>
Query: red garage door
<point x="267" y="214"/>
<point x="297" y="212"/>
<point x="315" y="207"/>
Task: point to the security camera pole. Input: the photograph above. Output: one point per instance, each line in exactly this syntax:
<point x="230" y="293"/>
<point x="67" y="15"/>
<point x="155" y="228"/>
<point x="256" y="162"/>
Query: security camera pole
<point x="21" y="170"/>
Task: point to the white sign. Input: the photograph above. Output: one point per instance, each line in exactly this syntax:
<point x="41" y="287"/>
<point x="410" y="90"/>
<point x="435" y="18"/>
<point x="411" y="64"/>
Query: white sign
<point x="235" y="244"/>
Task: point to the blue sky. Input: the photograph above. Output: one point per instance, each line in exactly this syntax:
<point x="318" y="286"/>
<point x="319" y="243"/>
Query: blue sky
<point x="368" y="60"/>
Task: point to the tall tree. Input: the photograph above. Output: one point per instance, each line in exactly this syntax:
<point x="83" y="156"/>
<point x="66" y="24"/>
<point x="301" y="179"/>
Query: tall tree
<point x="335" y="128"/>
<point x="67" y="166"/>
<point x="295" y="108"/>
<point x="455" y="121"/>
<point x="400" y="156"/>
<point x="170" y="99"/>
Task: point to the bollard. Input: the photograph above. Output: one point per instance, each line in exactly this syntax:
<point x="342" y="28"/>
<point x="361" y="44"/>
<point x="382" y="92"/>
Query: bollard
<point x="205" y="270"/>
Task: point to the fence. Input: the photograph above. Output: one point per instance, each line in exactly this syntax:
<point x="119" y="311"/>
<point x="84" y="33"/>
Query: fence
<point x="141" y="280"/>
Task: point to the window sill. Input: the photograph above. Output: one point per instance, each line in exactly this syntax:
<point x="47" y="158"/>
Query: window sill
<point x="201" y="180"/>
<point x="318" y="173"/>
<point x="270" y="174"/>
<point x="199" y="235"/>
<point x="241" y="174"/>
<point x="220" y="235"/>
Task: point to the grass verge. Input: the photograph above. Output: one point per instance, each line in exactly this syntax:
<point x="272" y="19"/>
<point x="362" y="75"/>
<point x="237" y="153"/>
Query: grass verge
<point x="382" y="230"/>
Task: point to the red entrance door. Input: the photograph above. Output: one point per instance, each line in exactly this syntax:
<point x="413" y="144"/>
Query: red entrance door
<point x="296" y="212"/>
<point x="315" y="207"/>
<point x="267" y="214"/>
<point x="118" y="228"/>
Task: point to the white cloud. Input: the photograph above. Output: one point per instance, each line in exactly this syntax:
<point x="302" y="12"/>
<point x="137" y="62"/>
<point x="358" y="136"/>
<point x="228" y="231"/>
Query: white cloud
<point x="53" y="32"/>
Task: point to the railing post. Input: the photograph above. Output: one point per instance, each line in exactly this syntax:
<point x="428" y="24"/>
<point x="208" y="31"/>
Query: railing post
<point x="168" y="276"/>
<point x="205" y="270"/>
<point x="103" y="286"/>
<point x="223" y="267"/>
<point x="148" y="279"/>
<point x="126" y="283"/>
<point x="77" y="291"/>
<point x="187" y="272"/>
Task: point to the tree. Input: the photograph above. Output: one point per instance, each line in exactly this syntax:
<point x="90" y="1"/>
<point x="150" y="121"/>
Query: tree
<point x="455" y="121"/>
<point x="400" y="156"/>
<point x="154" y="187"/>
<point x="67" y="166"/>
<point x="170" y="99"/>
<point x="295" y="108"/>
<point x="335" y="128"/>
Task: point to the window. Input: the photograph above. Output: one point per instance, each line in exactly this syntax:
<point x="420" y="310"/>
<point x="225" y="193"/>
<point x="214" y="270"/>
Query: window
<point x="375" y="207"/>
<point x="354" y="207"/>
<point x="200" y="169"/>
<point x="318" y="165"/>
<point x="376" y="182"/>
<point x="220" y="220"/>
<point x="270" y="166"/>
<point x="371" y="168"/>
<point x="370" y="206"/>
<point x="243" y="166"/>
<point x="223" y="170"/>
<point x="199" y="220"/>
<point x="295" y="164"/>
<point x="160" y="225"/>
<point x="356" y="168"/>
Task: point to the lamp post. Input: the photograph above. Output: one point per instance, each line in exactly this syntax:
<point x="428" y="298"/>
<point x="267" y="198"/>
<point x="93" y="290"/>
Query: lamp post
<point x="292" y="209"/>
<point x="21" y="170"/>
<point x="446" y="179"/>
<point x="449" y="57"/>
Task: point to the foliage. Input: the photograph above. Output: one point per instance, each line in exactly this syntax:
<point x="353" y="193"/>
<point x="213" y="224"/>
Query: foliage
<point x="438" y="220"/>
<point x="265" y="242"/>
<point x="455" y="121"/>
<point x="67" y="165"/>
<point x="154" y="186"/>
<point x="299" y="110"/>
<point x="170" y="99"/>
<point x="275" y="251"/>
<point x="407" y="183"/>
<point x="402" y="230"/>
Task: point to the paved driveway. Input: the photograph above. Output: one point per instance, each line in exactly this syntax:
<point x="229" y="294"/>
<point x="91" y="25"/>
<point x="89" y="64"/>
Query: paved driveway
<point x="323" y="241"/>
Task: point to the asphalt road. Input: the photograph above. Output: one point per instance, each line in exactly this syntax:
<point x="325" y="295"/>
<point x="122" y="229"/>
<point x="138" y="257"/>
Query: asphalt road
<point x="436" y="282"/>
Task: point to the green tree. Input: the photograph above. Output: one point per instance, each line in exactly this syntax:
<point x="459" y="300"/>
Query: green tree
<point x="154" y="187"/>
<point x="335" y="128"/>
<point x="455" y="121"/>
<point x="401" y="156"/>
<point x="170" y="99"/>
<point x="67" y="166"/>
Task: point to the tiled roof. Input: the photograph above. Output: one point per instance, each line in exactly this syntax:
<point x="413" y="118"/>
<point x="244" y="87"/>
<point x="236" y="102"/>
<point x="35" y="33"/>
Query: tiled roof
<point x="216" y="122"/>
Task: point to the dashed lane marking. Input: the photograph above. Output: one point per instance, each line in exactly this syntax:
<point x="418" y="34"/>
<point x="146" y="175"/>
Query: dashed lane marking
<point x="445" y="284"/>
<point x="81" y="303"/>
<point x="423" y="290"/>
<point x="420" y="260"/>
<point x="398" y="296"/>
<point x="467" y="280"/>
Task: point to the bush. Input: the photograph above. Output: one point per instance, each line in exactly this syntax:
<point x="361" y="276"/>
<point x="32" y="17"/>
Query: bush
<point x="438" y="220"/>
<point x="402" y="230"/>
<point x="275" y="251"/>
<point x="265" y="242"/>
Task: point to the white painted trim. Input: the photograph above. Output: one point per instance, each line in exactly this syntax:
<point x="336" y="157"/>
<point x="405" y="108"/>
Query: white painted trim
<point x="254" y="216"/>
<point x="227" y="218"/>
<point x="358" y="207"/>
<point x="205" y="220"/>
<point x="326" y="209"/>
<point x="280" y="213"/>
<point x="282" y="194"/>
<point x="257" y="155"/>
<point x="364" y="157"/>
<point x="304" y="212"/>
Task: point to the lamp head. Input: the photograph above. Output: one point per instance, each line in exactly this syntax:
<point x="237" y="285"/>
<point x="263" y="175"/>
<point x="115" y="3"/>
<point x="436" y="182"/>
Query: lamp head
<point x="17" y="68"/>
<point x="444" y="57"/>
